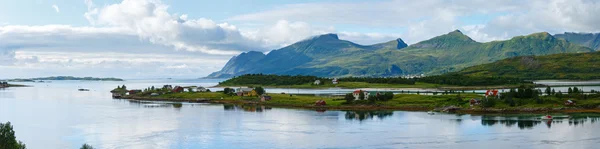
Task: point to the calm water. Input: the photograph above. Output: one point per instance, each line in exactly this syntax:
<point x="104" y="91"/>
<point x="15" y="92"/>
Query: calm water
<point x="56" y="115"/>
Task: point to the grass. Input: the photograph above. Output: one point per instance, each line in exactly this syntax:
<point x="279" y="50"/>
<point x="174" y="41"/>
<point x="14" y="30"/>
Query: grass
<point x="400" y="101"/>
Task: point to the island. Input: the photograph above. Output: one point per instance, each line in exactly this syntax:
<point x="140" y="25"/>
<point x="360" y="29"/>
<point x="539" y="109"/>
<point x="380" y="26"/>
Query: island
<point x="7" y="85"/>
<point x="65" y="78"/>
<point x="522" y="99"/>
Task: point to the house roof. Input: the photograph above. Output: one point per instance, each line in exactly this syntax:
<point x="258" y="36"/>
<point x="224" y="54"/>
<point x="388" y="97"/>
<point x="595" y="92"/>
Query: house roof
<point x="245" y="89"/>
<point x="356" y="91"/>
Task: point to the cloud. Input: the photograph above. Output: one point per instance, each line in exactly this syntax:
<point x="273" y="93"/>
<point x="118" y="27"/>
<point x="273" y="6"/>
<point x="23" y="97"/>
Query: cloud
<point x="56" y="8"/>
<point x="151" y="21"/>
<point x="7" y="56"/>
<point x="484" y="20"/>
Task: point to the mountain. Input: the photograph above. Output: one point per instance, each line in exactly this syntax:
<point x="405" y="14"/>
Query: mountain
<point x="583" y="66"/>
<point x="328" y="56"/>
<point x="585" y="39"/>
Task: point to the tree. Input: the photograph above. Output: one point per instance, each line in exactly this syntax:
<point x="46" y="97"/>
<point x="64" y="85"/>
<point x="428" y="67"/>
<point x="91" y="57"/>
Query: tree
<point x="388" y="96"/>
<point x="228" y="91"/>
<point x="152" y="88"/>
<point x="371" y="98"/>
<point x="548" y="90"/>
<point x="349" y="98"/>
<point x="553" y="92"/>
<point x="570" y="90"/>
<point x="124" y="87"/>
<point x="86" y="146"/>
<point x="559" y="95"/>
<point x="486" y="103"/>
<point x="575" y="90"/>
<point x="207" y="90"/>
<point x="259" y="90"/>
<point x="8" y="139"/>
<point x="361" y="95"/>
<point x="190" y="90"/>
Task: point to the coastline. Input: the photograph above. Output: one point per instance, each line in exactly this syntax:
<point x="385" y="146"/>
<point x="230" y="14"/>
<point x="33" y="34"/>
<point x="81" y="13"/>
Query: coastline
<point x="441" y="88"/>
<point x="377" y="107"/>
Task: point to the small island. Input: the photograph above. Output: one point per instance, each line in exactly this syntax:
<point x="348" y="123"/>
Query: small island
<point x="54" y="78"/>
<point x="7" y="85"/>
<point x="525" y="98"/>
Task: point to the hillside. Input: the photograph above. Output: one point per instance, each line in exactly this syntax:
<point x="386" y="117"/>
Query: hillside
<point x="582" y="66"/>
<point x="584" y="39"/>
<point x="328" y="56"/>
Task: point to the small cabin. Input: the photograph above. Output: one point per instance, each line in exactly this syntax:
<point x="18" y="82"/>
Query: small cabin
<point x="320" y="103"/>
<point x="474" y="101"/>
<point x="570" y="103"/>
<point x="133" y="92"/>
<point x="265" y="98"/>
<point x="317" y="82"/>
<point x="177" y="89"/>
<point x="201" y="89"/>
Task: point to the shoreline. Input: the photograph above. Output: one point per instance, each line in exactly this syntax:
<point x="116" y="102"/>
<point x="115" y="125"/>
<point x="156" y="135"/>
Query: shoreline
<point x="376" y="107"/>
<point x="386" y="88"/>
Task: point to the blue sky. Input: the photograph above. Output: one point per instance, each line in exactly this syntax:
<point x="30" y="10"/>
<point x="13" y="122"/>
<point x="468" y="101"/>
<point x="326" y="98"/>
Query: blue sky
<point x="190" y="39"/>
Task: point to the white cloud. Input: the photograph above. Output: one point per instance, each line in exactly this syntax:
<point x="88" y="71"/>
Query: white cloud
<point x="150" y="20"/>
<point x="425" y="19"/>
<point x="56" y="8"/>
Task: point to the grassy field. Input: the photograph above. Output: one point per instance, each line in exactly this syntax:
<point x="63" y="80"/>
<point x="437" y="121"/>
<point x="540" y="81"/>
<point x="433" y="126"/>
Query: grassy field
<point x="400" y="101"/>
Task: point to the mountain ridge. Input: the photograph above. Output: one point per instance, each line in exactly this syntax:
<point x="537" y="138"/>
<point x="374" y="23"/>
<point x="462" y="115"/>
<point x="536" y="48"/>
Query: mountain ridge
<point x="328" y="56"/>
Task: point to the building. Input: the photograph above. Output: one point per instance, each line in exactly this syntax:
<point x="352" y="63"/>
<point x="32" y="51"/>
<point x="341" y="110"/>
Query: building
<point x="116" y="95"/>
<point x="201" y="89"/>
<point x="474" y="102"/>
<point x="317" y="82"/>
<point x="320" y="103"/>
<point x="335" y="81"/>
<point x="154" y="94"/>
<point x="169" y="87"/>
<point x="133" y="92"/>
<point x="357" y="93"/>
<point x="265" y="98"/>
<point x="570" y="103"/>
<point x="177" y="89"/>
<point x="246" y="92"/>
<point x="3" y="84"/>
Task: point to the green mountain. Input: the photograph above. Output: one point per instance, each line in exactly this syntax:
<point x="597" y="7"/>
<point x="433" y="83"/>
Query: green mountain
<point x="328" y="56"/>
<point x="558" y="66"/>
<point x="585" y="39"/>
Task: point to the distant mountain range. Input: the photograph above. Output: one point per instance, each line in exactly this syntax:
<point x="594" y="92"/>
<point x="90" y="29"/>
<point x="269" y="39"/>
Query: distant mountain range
<point x="328" y="56"/>
<point x="65" y="78"/>
<point x="583" y="66"/>
<point x="585" y="39"/>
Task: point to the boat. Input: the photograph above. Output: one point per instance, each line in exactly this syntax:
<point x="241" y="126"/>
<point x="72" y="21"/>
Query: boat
<point x="83" y="89"/>
<point x="430" y="112"/>
<point x="547" y="117"/>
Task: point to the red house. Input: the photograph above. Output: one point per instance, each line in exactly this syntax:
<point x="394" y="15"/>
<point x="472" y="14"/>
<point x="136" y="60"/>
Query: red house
<point x="320" y="103"/>
<point x="177" y="89"/>
<point x="132" y="92"/>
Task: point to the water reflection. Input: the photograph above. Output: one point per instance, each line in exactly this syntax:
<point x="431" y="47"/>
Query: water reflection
<point x="364" y="115"/>
<point x="246" y="108"/>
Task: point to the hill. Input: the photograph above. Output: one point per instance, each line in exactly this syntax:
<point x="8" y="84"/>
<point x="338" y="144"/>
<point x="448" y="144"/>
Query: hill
<point x="583" y="66"/>
<point x="585" y="39"/>
<point x="328" y="56"/>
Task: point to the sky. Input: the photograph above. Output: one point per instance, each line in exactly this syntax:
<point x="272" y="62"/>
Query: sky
<point x="191" y="39"/>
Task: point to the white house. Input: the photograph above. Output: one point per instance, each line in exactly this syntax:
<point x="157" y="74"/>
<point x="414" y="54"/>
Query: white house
<point x="317" y="82"/>
<point x="335" y="81"/>
<point x="201" y="89"/>
<point x="356" y="94"/>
